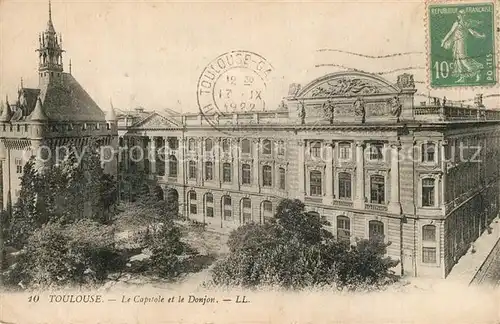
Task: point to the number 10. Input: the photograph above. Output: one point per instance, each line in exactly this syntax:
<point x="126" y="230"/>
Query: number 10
<point x="442" y="69"/>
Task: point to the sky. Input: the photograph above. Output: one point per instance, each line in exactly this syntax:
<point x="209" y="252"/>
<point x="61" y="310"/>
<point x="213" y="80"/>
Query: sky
<point x="151" y="53"/>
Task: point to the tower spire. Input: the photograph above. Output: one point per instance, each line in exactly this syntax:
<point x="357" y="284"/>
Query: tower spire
<point x="50" y="25"/>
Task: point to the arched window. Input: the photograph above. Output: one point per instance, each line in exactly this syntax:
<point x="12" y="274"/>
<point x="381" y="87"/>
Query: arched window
<point x="282" y="177"/>
<point x="343" y="228"/>
<point x="267" y="211"/>
<point x="377" y="189"/>
<point x="345" y="185"/>
<point x="266" y="147"/>
<point x="226" y="172"/>
<point x="227" y="208"/>
<point x="315" y="183"/>
<point x="246" y="174"/>
<point x="316" y="149"/>
<point x="192" y="170"/>
<point x="314" y="214"/>
<point x="209" y="145"/>
<point x="209" y="170"/>
<point x="376" y="230"/>
<point x="209" y="205"/>
<point x="246" y="146"/>
<point x="428" y="192"/>
<point x="193" y="204"/>
<point x="226" y="145"/>
<point x="428" y="152"/>
<point x="246" y="210"/>
<point x="267" y="176"/>
<point x="172" y="166"/>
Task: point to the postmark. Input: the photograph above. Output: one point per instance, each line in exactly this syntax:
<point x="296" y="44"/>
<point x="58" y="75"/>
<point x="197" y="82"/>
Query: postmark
<point x="234" y="82"/>
<point x="461" y="44"/>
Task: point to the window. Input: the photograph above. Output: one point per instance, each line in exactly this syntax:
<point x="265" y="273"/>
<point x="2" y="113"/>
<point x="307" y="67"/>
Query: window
<point x="19" y="165"/>
<point x="429" y="233"/>
<point x="227" y="207"/>
<point x="429" y="255"/>
<point x="246" y="210"/>
<point x="172" y="166"/>
<point x="344" y="151"/>
<point x="245" y="146"/>
<point x="209" y="171"/>
<point x="281" y="148"/>
<point x="316" y="149"/>
<point x="266" y="147"/>
<point x="192" y="145"/>
<point x="209" y="144"/>
<point x="226" y="172"/>
<point x="345" y="185"/>
<point x="376" y="151"/>
<point x="193" y="206"/>
<point x="146" y="166"/>
<point x="267" y="176"/>
<point x="226" y="146"/>
<point x="376" y="230"/>
<point x="377" y="189"/>
<point x="267" y="211"/>
<point x="209" y="205"/>
<point x="428" y="192"/>
<point x="246" y="174"/>
<point x="282" y="177"/>
<point x="343" y="228"/>
<point x="315" y="183"/>
<point x="192" y="170"/>
<point x="428" y="152"/>
<point x="173" y="143"/>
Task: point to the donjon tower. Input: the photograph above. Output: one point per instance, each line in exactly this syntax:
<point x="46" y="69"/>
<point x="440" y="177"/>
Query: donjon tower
<point x="59" y="112"/>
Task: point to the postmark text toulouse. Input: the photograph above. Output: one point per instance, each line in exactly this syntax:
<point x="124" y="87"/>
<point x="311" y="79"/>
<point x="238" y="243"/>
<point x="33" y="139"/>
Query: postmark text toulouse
<point x="233" y="82"/>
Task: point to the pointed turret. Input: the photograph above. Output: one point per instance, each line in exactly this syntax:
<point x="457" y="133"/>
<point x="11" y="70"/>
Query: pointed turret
<point x="50" y="25"/>
<point x="6" y="112"/>
<point x="50" y="52"/>
<point x="110" y="114"/>
<point x="38" y="114"/>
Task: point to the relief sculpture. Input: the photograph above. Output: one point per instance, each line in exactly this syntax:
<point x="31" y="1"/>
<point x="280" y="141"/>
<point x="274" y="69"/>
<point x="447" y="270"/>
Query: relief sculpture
<point x="346" y="87"/>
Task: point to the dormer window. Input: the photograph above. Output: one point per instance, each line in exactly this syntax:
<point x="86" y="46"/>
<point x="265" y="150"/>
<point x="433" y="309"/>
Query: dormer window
<point x="97" y="126"/>
<point x="84" y="126"/>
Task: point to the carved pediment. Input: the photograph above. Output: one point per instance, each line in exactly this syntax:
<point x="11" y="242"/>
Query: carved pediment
<point x="347" y="84"/>
<point x="156" y="121"/>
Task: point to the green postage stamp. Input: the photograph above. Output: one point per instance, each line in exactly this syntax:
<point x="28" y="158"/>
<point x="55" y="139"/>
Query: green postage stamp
<point x="462" y="44"/>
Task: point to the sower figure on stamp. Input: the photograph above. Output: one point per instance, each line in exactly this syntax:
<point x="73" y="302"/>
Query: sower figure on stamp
<point x="456" y="40"/>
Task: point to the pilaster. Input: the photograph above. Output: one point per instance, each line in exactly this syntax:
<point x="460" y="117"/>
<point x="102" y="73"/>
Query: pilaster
<point x="359" y="202"/>
<point x="394" y="202"/>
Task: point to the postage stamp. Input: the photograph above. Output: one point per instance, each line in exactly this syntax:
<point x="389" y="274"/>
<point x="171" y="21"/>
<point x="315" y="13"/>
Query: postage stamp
<point x="462" y="44"/>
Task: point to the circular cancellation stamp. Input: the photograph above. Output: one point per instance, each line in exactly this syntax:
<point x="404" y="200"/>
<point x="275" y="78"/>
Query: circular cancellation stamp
<point x="235" y="81"/>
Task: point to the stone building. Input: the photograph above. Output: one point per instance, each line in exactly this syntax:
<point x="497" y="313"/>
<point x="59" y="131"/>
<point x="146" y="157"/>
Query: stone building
<point x="355" y="148"/>
<point x="57" y="113"/>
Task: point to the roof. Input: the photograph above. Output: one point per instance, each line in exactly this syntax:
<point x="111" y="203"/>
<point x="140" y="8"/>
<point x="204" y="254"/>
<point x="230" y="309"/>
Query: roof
<point x="69" y="102"/>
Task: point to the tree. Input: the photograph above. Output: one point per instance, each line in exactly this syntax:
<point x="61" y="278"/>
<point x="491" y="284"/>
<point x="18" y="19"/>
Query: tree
<point x="295" y="251"/>
<point x="66" y="192"/>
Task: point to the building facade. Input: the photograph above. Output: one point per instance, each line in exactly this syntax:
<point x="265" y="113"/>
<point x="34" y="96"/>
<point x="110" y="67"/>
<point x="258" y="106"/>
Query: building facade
<point x="40" y="121"/>
<point x="355" y="148"/>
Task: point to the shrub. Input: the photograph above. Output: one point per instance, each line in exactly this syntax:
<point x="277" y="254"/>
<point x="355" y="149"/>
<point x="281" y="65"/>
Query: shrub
<point x="169" y="253"/>
<point x="56" y="254"/>
<point x="294" y="251"/>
